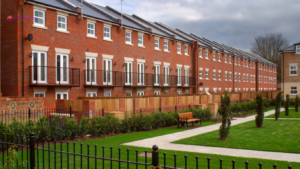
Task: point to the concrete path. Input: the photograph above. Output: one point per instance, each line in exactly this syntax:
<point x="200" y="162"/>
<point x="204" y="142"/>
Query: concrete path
<point x="164" y="142"/>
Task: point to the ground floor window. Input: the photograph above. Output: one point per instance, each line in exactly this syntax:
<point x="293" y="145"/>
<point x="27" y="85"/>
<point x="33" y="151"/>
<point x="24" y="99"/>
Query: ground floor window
<point x="140" y="93"/>
<point x="39" y="94"/>
<point x="91" y="94"/>
<point x="294" y="91"/>
<point x="62" y="95"/>
<point x="128" y="93"/>
<point x="187" y="91"/>
<point x="107" y="94"/>
<point x="157" y="92"/>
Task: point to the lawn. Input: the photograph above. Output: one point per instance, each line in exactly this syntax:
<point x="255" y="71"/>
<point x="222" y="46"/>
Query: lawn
<point x="116" y="141"/>
<point x="279" y="136"/>
<point x="292" y="114"/>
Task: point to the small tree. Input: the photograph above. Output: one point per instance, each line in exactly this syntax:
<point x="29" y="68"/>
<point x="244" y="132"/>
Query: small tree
<point x="259" y="109"/>
<point x="225" y="113"/>
<point x="287" y="105"/>
<point x="296" y="103"/>
<point x="278" y="105"/>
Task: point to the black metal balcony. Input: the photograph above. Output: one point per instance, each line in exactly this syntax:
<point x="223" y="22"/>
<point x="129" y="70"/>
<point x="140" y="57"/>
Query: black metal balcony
<point x="185" y="81"/>
<point x="137" y="79"/>
<point x="102" y="78"/>
<point x="54" y="76"/>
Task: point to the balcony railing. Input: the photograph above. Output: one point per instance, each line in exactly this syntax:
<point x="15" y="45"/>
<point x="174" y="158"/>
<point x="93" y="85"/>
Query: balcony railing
<point x="137" y="79"/>
<point x="102" y="78"/>
<point x="185" y="81"/>
<point x="54" y="76"/>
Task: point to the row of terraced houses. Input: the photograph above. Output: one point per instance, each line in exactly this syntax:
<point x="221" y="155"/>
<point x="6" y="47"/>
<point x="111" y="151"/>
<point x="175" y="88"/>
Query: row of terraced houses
<point x="65" y="49"/>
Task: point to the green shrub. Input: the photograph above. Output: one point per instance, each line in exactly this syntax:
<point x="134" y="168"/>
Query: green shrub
<point x="84" y="126"/>
<point x="259" y="109"/>
<point x="144" y="122"/>
<point x="296" y="103"/>
<point x="112" y="123"/>
<point x="202" y="113"/>
<point x="133" y="123"/>
<point x="56" y="131"/>
<point x="171" y="118"/>
<point x="71" y="128"/>
<point x="159" y="119"/>
<point x="43" y="129"/>
<point x="225" y="112"/>
<point x="273" y="102"/>
<point x="17" y="128"/>
<point x="125" y="124"/>
<point x="30" y="126"/>
<point x="266" y="102"/>
<point x="4" y="130"/>
<point x="278" y="105"/>
<point x="287" y="105"/>
<point x="96" y="126"/>
<point x="292" y="101"/>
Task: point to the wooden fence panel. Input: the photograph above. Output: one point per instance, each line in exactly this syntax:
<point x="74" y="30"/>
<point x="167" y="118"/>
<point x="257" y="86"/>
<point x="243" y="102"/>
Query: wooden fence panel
<point x="169" y="101"/>
<point x="217" y="98"/>
<point x="187" y="100"/>
<point x="107" y="104"/>
<point x="144" y="102"/>
<point x="129" y="104"/>
<point x="197" y="99"/>
<point x="76" y="104"/>
<point x="156" y="102"/>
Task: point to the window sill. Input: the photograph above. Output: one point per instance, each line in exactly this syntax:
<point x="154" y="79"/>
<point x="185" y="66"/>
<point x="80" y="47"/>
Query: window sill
<point x="157" y="49"/>
<point x="186" y="54"/>
<point x="201" y="57"/>
<point x="206" y="79"/>
<point x="214" y="59"/>
<point x="201" y="78"/>
<point x="141" y="46"/>
<point x="39" y="26"/>
<point x="62" y="31"/>
<point x="179" y="53"/>
<point x="294" y="75"/>
<point x="219" y="61"/>
<point x="90" y="36"/>
<point x="129" y="44"/>
<point x="167" y="51"/>
<point x="109" y="40"/>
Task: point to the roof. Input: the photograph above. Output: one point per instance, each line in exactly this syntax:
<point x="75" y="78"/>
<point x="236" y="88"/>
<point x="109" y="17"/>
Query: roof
<point x="112" y="15"/>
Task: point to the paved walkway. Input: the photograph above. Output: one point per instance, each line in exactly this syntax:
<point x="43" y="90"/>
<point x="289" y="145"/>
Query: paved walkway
<point x="164" y="142"/>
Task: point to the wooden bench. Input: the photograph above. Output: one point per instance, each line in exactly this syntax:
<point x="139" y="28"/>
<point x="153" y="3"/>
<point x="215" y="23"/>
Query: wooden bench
<point x="185" y="118"/>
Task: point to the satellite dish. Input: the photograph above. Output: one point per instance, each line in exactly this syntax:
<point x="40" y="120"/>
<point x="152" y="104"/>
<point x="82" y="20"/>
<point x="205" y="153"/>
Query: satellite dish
<point x="29" y="37"/>
<point x="201" y="84"/>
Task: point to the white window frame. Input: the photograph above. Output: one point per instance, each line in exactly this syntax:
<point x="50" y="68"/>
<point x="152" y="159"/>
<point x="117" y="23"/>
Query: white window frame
<point x="128" y="93"/>
<point x="157" y="93"/>
<point x="178" y="48"/>
<point x="129" y="72"/>
<point x="156" y="75"/>
<point x="140" y="93"/>
<point x="230" y="76"/>
<point x="39" y="93"/>
<point x="244" y="78"/>
<point x="140" y="39"/>
<point x="206" y="54"/>
<point x="290" y="69"/>
<point x="156" y="43"/>
<point x="229" y="58"/>
<point x="61" y="94"/>
<point x="105" y="32"/>
<point x="107" y="93"/>
<point x="66" y="23"/>
<point x="107" y="74"/>
<point x="293" y="94"/>
<point x="225" y="58"/>
<point x="94" y="29"/>
<point x="186" y="50"/>
<point x="219" y="56"/>
<point x="90" y="59"/>
<point x="226" y="74"/>
<point x="200" y="73"/>
<point x="43" y="18"/>
<point x="128" y="36"/>
<point x="186" y="77"/>
<point x="91" y="94"/>
<point x="239" y="77"/>
<point x="219" y="76"/>
<point x="39" y="67"/>
<point x="214" y="56"/>
<point x="140" y="74"/>
<point x="166" y="75"/>
<point x="67" y="68"/>
<point x="206" y="74"/>
<point x="179" y="76"/>
<point x="235" y="60"/>
<point x="166" y="45"/>
<point x="200" y="53"/>
<point x="214" y="74"/>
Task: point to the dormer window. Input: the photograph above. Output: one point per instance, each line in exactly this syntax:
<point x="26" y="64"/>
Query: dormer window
<point x="298" y="49"/>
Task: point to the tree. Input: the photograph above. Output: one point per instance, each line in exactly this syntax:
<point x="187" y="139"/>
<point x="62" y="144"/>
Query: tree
<point x="267" y="46"/>
<point x="259" y="109"/>
<point x="287" y="105"/>
<point x="296" y="103"/>
<point x="278" y="105"/>
<point x="225" y="113"/>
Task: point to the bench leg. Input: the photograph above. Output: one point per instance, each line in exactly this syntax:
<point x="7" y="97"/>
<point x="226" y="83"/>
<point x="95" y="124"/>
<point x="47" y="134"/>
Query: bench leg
<point x="178" y="124"/>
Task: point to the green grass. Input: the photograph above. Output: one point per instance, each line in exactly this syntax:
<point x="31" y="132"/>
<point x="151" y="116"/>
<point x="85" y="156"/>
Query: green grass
<point x="292" y="114"/>
<point x="116" y="141"/>
<point x="279" y="136"/>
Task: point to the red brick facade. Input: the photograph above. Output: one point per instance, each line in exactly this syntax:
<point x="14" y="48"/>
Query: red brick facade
<point x="78" y="43"/>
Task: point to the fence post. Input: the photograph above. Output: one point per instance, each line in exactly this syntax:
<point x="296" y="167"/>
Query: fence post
<point x="102" y="111"/>
<point x="159" y="109"/>
<point x="32" y="151"/>
<point x="28" y="113"/>
<point x="175" y="108"/>
<point x="70" y="111"/>
<point x="155" y="162"/>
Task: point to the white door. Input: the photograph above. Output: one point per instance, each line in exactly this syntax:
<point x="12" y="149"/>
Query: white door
<point x="107" y="71"/>
<point x="166" y="75"/>
<point x="140" y="74"/>
<point x="39" y="70"/>
<point x="128" y="73"/>
<point x="186" y="77"/>
<point x="179" y="77"/>
<point x="156" y="75"/>
<point x="62" y="66"/>
<point x="91" y="71"/>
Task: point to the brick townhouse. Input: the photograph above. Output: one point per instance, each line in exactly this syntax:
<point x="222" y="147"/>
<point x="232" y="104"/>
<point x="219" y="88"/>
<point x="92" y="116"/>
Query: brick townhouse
<point x="290" y="76"/>
<point x="65" y="49"/>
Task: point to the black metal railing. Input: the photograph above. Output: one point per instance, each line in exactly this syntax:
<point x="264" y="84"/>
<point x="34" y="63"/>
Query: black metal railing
<point x="137" y="79"/>
<point x="102" y="78"/>
<point x="54" y="76"/>
<point x="41" y="153"/>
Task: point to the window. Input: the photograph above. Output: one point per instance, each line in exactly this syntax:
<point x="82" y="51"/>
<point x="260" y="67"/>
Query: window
<point x="140" y="93"/>
<point x="62" y="23"/>
<point x="128" y="73"/>
<point x="229" y="89"/>
<point x="166" y="45"/>
<point x="214" y="75"/>
<point x="166" y="75"/>
<point x="128" y="93"/>
<point x="157" y="92"/>
<point x="156" y="43"/>
<point x="206" y="54"/>
<point x="128" y="37"/>
<point x="201" y="91"/>
<point x="247" y="78"/>
<point x="140" y="73"/>
<point x="179" y="48"/>
<point x="186" y="50"/>
<point x="225" y="76"/>
<point x="179" y="92"/>
<point x="200" y="73"/>
<point x="229" y="57"/>
<point x="91" y="29"/>
<point x="250" y="78"/>
<point x="230" y="76"/>
<point x="156" y="75"/>
<point x="179" y="78"/>
<point x="39" y="17"/>
<point x="235" y="77"/>
<point x="215" y="90"/>
<point x="62" y="95"/>
<point x="206" y="74"/>
<point x="293" y="69"/>
<point x="107" y="32"/>
<point x="253" y="78"/>
<point x="253" y="65"/>
<point x="239" y="77"/>
<point x="243" y="62"/>
<point x="219" y="75"/>
<point x="39" y="94"/>
<point x="187" y="91"/>
<point x="62" y="66"/>
<point x="91" y="70"/>
<point x="214" y="56"/>
<point x="206" y="90"/>
<point x="39" y="70"/>
<point x="167" y="92"/>
<point x="107" y="72"/>
<point x="244" y="78"/>
<point x="141" y="39"/>
<point x="250" y="64"/>
<point x="246" y="63"/>
<point x="219" y="57"/>
<point x="239" y="61"/>
<point x="200" y="53"/>
<point x="220" y="90"/>
<point x="186" y="77"/>
<point x="235" y="60"/>
<point x="91" y="94"/>
<point x="225" y="58"/>
<point x="294" y="91"/>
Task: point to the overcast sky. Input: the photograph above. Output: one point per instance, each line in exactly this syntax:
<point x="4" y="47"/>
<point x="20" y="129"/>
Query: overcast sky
<point x="231" y="22"/>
